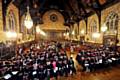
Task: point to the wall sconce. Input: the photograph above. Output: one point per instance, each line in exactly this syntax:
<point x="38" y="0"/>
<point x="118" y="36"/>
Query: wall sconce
<point x="82" y="32"/>
<point x="104" y="28"/>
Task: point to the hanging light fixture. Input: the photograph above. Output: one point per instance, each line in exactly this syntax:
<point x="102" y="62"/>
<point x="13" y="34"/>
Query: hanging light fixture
<point x="28" y="22"/>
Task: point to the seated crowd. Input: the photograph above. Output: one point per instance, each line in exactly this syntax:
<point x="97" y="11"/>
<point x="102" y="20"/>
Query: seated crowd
<point x="44" y="61"/>
<point x="50" y="62"/>
<point x="94" y="59"/>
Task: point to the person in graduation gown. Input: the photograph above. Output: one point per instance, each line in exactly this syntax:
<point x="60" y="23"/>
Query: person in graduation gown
<point x="78" y="58"/>
<point x="55" y="69"/>
<point x="41" y="72"/>
<point x="65" y="67"/>
<point x="49" y="70"/>
<point x="60" y="68"/>
<point x="8" y="72"/>
<point x="71" y="66"/>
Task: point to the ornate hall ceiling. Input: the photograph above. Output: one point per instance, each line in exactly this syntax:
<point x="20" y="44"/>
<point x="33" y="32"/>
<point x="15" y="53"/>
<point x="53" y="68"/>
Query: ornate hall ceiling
<point x="72" y="10"/>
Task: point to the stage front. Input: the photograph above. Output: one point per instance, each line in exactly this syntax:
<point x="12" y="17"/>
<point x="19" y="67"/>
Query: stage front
<point x="53" y="35"/>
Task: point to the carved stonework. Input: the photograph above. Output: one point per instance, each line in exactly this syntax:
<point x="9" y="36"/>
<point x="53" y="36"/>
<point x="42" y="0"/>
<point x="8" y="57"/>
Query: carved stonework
<point x="53" y="25"/>
<point x="106" y="16"/>
<point x="53" y="17"/>
<point x="53" y="20"/>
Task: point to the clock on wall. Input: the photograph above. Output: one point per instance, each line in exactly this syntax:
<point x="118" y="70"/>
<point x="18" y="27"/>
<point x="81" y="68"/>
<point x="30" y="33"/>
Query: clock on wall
<point x="53" y="17"/>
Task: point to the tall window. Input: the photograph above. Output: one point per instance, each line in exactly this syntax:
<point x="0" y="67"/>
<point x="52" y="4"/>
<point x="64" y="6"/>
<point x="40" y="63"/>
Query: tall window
<point x="93" y="26"/>
<point x="11" y="21"/>
<point x="112" y="21"/>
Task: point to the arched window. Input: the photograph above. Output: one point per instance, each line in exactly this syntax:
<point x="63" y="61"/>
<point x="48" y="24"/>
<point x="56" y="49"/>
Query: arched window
<point x="93" y="26"/>
<point x="11" y="21"/>
<point x="112" y="21"/>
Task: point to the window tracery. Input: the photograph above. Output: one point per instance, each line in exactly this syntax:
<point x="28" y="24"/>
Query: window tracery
<point x="112" y="21"/>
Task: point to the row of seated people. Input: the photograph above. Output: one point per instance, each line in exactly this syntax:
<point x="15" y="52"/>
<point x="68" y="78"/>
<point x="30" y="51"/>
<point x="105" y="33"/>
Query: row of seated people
<point x="95" y="59"/>
<point x="46" y="64"/>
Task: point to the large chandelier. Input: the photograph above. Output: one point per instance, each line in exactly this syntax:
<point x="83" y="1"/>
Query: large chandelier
<point x="28" y="22"/>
